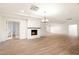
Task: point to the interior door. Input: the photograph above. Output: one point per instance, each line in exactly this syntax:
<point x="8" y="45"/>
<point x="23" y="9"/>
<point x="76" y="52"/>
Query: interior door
<point x="13" y="29"/>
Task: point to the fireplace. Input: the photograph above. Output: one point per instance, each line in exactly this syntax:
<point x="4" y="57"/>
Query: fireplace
<point x="33" y="32"/>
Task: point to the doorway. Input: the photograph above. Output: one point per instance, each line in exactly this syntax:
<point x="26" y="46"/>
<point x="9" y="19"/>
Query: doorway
<point x="13" y="29"/>
<point x="73" y="30"/>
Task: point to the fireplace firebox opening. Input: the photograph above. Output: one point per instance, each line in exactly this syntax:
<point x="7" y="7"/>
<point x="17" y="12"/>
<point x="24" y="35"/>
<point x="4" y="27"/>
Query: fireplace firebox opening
<point x="33" y="32"/>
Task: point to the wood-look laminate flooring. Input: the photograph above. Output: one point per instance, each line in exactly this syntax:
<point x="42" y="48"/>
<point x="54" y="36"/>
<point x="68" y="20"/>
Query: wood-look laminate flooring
<point x="49" y="45"/>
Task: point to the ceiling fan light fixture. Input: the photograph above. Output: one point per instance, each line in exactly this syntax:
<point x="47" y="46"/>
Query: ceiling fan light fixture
<point x="34" y="8"/>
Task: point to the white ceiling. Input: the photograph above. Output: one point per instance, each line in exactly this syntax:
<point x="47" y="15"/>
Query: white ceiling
<point x="58" y="11"/>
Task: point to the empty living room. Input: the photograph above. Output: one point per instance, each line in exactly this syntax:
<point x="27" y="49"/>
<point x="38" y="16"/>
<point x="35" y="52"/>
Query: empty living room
<point x="39" y="28"/>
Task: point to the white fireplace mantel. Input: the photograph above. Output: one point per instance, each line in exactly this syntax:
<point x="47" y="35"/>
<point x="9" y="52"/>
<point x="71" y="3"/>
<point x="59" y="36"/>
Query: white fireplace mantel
<point x="34" y="24"/>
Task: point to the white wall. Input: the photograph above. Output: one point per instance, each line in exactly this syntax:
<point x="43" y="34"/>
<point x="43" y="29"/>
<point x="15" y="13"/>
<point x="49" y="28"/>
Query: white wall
<point x="34" y="22"/>
<point x="58" y="28"/>
<point x="3" y="29"/>
<point x="44" y="29"/>
<point x="23" y="30"/>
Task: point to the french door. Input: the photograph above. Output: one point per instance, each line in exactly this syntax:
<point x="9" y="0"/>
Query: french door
<point x="13" y="30"/>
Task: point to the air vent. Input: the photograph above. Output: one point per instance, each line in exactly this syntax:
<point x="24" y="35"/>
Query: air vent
<point x="69" y="19"/>
<point x="34" y="8"/>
